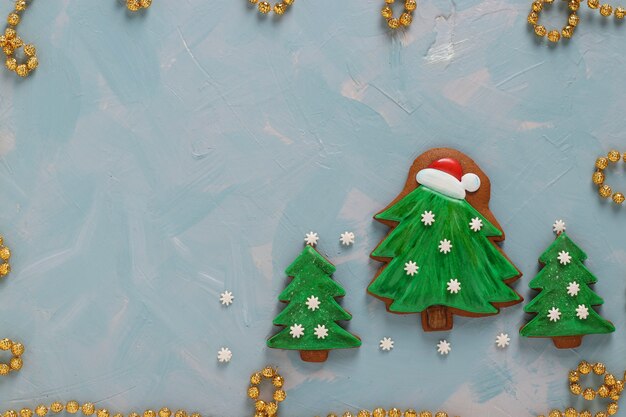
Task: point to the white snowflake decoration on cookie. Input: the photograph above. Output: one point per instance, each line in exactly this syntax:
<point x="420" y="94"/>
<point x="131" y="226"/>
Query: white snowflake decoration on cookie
<point x="428" y="218"/>
<point x="321" y="331"/>
<point x="411" y="268"/>
<point x="313" y="303"/>
<point x="476" y="224"/>
<point x="559" y="227"/>
<point x="445" y="246"/>
<point x="564" y="257"/>
<point x="296" y="331"/>
<point x="554" y="314"/>
<point x="226" y="298"/>
<point x="454" y="286"/>
<point x="503" y="340"/>
<point x="311" y="238"/>
<point x="224" y="355"/>
<point x="347" y="238"/>
<point x="582" y="312"/>
<point x="573" y="288"/>
<point x="444" y="347"/>
<point x="386" y="344"/>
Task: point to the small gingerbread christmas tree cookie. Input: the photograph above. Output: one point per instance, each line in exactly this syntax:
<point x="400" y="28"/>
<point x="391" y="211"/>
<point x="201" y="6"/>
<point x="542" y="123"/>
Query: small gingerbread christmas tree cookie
<point x="564" y="306"/>
<point x="311" y="315"/>
<point x="441" y="256"/>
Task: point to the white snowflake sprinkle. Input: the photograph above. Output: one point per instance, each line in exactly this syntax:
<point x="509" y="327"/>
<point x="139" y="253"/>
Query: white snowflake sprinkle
<point x="313" y="303"/>
<point x="503" y="340"/>
<point x="226" y="298"/>
<point x="428" y="218"/>
<point x="454" y="286"/>
<point x="311" y="238"/>
<point x="224" y="355"/>
<point x="445" y="246"/>
<point x="296" y="331"/>
<point x="476" y="224"/>
<point x="554" y="314"/>
<point x="582" y="312"/>
<point x="386" y="344"/>
<point x="321" y="331"/>
<point x="564" y="257"/>
<point x="573" y="288"/>
<point x="444" y="347"/>
<point x="559" y="227"/>
<point x="411" y="268"/>
<point x="347" y="238"/>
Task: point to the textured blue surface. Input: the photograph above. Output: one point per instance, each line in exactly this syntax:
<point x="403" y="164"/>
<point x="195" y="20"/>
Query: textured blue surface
<point x="154" y="161"/>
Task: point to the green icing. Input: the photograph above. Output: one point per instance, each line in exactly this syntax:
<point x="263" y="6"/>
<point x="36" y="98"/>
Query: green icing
<point x="311" y="277"/>
<point x="552" y="282"/>
<point x="474" y="260"/>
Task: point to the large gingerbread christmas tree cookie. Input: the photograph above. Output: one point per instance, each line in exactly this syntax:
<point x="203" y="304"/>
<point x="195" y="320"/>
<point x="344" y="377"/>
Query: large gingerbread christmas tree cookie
<point x="311" y="315"/>
<point x="564" y="306"/>
<point x="441" y="257"/>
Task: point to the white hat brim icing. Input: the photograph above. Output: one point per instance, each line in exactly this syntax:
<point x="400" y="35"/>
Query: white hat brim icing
<point x="441" y="182"/>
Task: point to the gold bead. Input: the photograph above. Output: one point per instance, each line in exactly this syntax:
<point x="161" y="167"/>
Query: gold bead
<point x="20" y="5"/>
<point x="259" y="405"/>
<point x="389" y="1"/>
<point x="13" y="19"/>
<point x="410" y="5"/>
<point x="441" y="414"/>
<point x="540" y="30"/>
<point x="32" y="63"/>
<point x="393" y="23"/>
<point x="598" y="177"/>
<point x="72" y="407"/>
<point x="589" y="394"/>
<point x="41" y="410"/>
<point x="574" y="5"/>
<point x="554" y="413"/>
<point x="255" y="378"/>
<point x="605" y="191"/>
<point x="133" y="5"/>
<point x="278" y="381"/>
<point x="26" y="412"/>
<point x="599" y="368"/>
<point x="30" y="50"/>
<point x="410" y="413"/>
<point x="195" y="415"/>
<point x="600" y="414"/>
<point x="386" y="12"/>
<point x="4" y="369"/>
<point x="10" y="33"/>
<point x="619" y="386"/>
<point x="593" y="4"/>
<point x="16" y="364"/>
<point x="586" y="413"/>
<point x="4" y="269"/>
<point x="379" y="412"/>
<point x="22" y="70"/>
<point x="5" y="344"/>
<point x="604" y="391"/>
<point x="613" y="155"/>
<point x="406" y="19"/>
<point x="145" y="3"/>
<point x="88" y="409"/>
<point x="609" y="379"/>
<point x="288" y="2"/>
<point x="253" y="1"/>
<point x="178" y="413"/>
<point x="280" y="8"/>
<point x="606" y="10"/>
<point x="571" y="412"/>
<point x="537" y="6"/>
<point x="619" y="198"/>
<point x="533" y="18"/>
<point x="279" y="395"/>
<point x="268" y="372"/>
<point x="165" y="412"/>
<point x="271" y="409"/>
<point x="426" y="414"/>
<point x="620" y="13"/>
<point x="573" y="376"/>
<point x="347" y="414"/>
<point x="103" y="412"/>
<point x="576" y="389"/>
<point x="253" y="392"/>
<point x="147" y="413"/>
<point x="602" y="162"/>
<point x="364" y="413"/>
<point x="265" y="7"/>
<point x="394" y="412"/>
<point x="329" y="415"/>
<point x="554" y="36"/>
<point x="573" y="19"/>
<point x="11" y="63"/>
<point x="10" y="413"/>
<point x="612" y="409"/>
<point x="584" y="368"/>
<point x="5" y="253"/>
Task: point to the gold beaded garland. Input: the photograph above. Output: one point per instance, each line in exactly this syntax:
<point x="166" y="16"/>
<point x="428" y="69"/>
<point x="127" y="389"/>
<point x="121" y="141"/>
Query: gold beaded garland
<point x="405" y="19"/>
<point x="10" y="42"/>
<point x="265" y="7"/>
<point x="598" y="177"/>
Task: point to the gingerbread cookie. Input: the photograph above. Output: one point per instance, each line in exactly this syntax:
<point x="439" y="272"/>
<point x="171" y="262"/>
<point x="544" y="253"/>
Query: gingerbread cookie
<point x="441" y="257"/>
<point x="311" y="315"/>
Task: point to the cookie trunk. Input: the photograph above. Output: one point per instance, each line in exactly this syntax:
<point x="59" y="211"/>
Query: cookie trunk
<point x="567" y="342"/>
<point x="314" y="355"/>
<point x="437" y="318"/>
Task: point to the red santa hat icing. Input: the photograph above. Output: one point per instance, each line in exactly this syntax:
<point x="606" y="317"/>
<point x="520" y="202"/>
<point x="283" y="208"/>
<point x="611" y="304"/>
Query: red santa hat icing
<point x="445" y="175"/>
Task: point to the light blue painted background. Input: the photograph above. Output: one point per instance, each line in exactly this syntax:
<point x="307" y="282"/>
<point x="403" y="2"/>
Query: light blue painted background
<point x="155" y="161"/>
